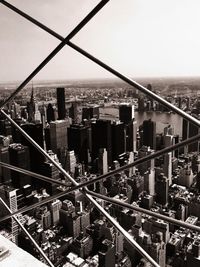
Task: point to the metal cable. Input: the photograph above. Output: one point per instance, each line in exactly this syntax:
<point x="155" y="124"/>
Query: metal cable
<point x="148" y="212"/>
<point x="105" y="66"/>
<point x="92" y="13"/>
<point x="28" y="235"/>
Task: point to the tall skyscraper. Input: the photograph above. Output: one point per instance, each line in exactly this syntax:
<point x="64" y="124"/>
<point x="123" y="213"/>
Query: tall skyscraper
<point x="107" y="254"/>
<point x="35" y="131"/>
<point x="70" y="162"/>
<point x="49" y="170"/>
<point x="189" y="130"/>
<point x="9" y="195"/>
<point x="58" y="135"/>
<point x="32" y="109"/>
<point x="102" y="161"/>
<point x="78" y="141"/>
<point x="101" y="138"/>
<point x="4" y="172"/>
<point x="143" y="167"/>
<point x="50" y="113"/>
<point x="19" y="157"/>
<point x="167" y="167"/>
<point x="126" y="113"/>
<point x="61" y="103"/>
<point x="149" y="133"/>
<point x="162" y="189"/>
<point x="118" y="139"/>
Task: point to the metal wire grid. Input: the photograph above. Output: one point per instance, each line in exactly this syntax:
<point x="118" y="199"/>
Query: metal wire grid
<point x="82" y="187"/>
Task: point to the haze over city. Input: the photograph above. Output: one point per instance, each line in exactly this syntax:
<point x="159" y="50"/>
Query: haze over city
<point x="141" y="38"/>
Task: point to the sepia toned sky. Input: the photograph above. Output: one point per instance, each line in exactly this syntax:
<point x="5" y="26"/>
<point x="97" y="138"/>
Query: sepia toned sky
<point x="140" y="38"/>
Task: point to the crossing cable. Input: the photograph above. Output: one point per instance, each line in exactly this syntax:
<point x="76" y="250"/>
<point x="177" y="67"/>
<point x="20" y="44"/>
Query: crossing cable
<point x="145" y="211"/>
<point x="91" y="14"/>
<point x="143" y="89"/>
<point x="99" y="178"/>
<point x="127" y="236"/>
<point x="51" y="55"/>
<point x="27" y="234"/>
<point x="102" y="64"/>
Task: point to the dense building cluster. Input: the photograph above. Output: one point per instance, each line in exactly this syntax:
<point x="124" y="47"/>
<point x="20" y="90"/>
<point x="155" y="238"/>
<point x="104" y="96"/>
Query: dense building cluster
<point x="70" y="230"/>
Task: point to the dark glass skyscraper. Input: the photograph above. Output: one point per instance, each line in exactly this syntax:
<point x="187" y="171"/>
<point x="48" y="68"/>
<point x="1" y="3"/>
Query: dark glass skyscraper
<point x="126" y="113"/>
<point x="101" y="138"/>
<point x="61" y="103"/>
<point x="19" y="157"/>
<point x="118" y="139"/>
<point x="189" y="130"/>
<point x="149" y="133"/>
<point x="35" y="131"/>
<point x="78" y="141"/>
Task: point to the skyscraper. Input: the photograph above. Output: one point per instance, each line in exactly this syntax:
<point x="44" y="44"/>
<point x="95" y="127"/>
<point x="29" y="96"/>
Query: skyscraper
<point x="35" y="131"/>
<point x="102" y="161"/>
<point x="101" y="138"/>
<point x="50" y="113"/>
<point x="189" y="130"/>
<point x="107" y="254"/>
<point x="78" y="141"/>
<point x="162" y="189"/>
<point x="4" y="172"/>
<point x="58" y="135"/>
<point x="19" y="157"/>
<point x="61" y="103"/>
<point x="149" y="133"/>
<point x="118" y="139"/>
<point x="126" y="113"/>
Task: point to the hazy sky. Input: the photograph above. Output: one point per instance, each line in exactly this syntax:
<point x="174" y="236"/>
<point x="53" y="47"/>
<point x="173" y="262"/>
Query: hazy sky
<point x="137" y="37"/>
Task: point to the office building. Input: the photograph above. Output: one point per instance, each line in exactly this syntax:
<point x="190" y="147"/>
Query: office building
<point x="118" y="139"/>
<point x="126" y="113"/>
<point x="35" y="131"/>
<point x="50" y="113"/>
<point x="5" y="175"/>
<point x="143" y="167"/>
<point x="189" y="130"/>
<point x="78" y="141"/>
<point x="19" y="157"/>
<point x="61" y="103"/>
<point x="149" y="133"/>
<point x="162" y="189"/>
<point x="58" y="135"/>
<point x="102" y="161"/>
<point x="71" y="162"/>
<point x="101" y="138"/>
<point x="107" y="254"/>
<point x="90" y="112"/>
<point x="49" y="170"/>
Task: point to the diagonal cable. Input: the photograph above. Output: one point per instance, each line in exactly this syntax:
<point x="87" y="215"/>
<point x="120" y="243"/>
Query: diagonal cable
<point x="145" y="211"/>
<point x="92" y="13"/>
<point x="99" y="178"/>
<point x="127" y="236"/>
<point x="105" y="66"/>
<point x="27" y="234"/>
<point x="130" y="82"/>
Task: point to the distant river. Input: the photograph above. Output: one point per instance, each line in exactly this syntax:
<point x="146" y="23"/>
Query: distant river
<point x="162" y="119"/>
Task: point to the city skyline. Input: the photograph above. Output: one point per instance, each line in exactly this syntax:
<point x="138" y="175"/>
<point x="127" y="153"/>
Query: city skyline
<point x="139" y="39"/>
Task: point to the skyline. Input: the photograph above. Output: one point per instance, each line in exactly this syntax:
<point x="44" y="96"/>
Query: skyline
<point x="148" y="22"/>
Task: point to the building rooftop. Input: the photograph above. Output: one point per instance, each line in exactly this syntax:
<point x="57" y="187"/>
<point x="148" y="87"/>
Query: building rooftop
<point x="14" y="256"/>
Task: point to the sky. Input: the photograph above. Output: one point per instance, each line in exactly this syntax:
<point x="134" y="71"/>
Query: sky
<point x="140" y="38"/>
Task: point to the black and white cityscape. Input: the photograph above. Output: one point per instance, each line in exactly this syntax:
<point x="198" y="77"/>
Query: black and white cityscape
<point x="91" y="129"/>
<point x="98" y="171"/>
